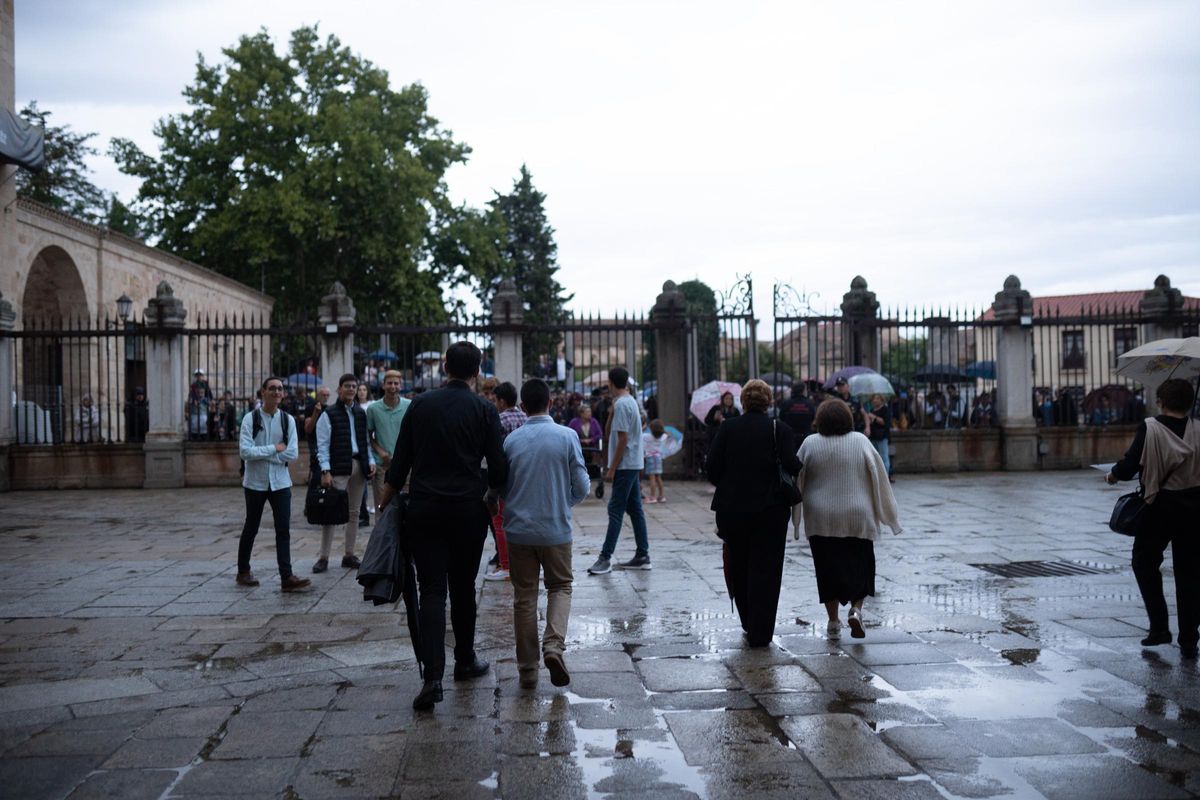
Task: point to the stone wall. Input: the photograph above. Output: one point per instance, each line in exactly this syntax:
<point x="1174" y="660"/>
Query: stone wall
<point x="105" y="266"/>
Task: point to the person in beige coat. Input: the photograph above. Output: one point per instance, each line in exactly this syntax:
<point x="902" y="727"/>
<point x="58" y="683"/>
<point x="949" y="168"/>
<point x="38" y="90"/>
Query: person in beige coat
<point x="847" y="501"/>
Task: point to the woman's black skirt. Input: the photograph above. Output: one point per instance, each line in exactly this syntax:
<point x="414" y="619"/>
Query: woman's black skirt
<point x="845" y="568"/>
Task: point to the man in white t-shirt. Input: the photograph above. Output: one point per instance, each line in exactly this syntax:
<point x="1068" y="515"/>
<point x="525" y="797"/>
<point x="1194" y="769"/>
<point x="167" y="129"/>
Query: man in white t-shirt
<point x="625" y="464"/>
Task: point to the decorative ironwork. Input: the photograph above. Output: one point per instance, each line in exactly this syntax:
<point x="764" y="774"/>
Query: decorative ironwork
<point x="738" y="300"/>
<point x="788" y="303"/>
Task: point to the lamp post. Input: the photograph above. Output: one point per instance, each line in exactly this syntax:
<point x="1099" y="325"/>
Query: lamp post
<point x="124" y="307"/>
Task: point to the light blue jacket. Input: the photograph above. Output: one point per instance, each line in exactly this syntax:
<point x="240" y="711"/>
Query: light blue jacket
<point x="546" y="476"/>
<point x="266" y="469"/>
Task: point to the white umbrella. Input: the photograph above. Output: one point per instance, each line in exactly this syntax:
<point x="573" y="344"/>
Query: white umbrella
<point x="1160" y="360"/>
<point x="709" y="395"/>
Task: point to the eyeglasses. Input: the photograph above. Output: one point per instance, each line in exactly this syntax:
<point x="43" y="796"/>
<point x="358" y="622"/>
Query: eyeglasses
<point x="274" y="388"/>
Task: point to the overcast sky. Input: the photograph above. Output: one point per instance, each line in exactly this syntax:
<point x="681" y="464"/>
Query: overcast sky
<point x="934" y="148"/>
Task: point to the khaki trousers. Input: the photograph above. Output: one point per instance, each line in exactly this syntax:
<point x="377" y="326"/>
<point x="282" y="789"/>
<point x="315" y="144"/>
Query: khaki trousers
<point x="381" y="468"/>
<point x="525" y="562"/>
<point x="353" y="485"/>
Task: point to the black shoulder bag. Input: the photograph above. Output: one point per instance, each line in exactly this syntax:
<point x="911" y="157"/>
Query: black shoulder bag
<point x="1131" y="509"/>
<point x="787" y="490"/>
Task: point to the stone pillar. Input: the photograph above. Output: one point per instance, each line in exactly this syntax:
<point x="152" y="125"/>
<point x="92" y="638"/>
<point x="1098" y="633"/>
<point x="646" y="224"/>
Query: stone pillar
<point x="1014" y="376"/>
<point x="812" y="338"/>
<point x="860" y="336"/>
<point x="8" y="182"/>
<point x="1159" y="309"/>
<point x="166" y="390"/>
<point x="508" y="312"/>
<point x="8" y="320"/>
<point x="336" y="315"/>
<point x="669" y="318"/>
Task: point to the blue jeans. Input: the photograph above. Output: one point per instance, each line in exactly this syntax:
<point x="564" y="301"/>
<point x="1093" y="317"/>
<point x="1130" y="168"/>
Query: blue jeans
<point x="882" y="446"/>
<point x="626" y="497"/>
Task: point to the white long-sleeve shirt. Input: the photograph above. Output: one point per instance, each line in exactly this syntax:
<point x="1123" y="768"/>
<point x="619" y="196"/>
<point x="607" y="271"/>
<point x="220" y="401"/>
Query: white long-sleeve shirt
<point x="846" y="489"/>
<point x="267" y="468"/>
<point x="323" y="432"/>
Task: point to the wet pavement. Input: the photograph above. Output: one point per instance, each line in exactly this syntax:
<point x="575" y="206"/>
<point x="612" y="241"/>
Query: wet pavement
<point x="132" y="666"/>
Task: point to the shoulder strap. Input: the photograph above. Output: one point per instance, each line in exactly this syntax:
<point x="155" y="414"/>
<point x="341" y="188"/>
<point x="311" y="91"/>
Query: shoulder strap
<point x="257" y="425"/>
<point x="286" y="423"/>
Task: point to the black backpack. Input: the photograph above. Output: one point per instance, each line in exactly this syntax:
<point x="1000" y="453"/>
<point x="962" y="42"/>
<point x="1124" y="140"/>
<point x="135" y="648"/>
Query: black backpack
<point x="257" y="429"/>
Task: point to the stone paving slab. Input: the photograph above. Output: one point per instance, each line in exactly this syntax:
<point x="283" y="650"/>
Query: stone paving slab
<point x="142" y="670"/>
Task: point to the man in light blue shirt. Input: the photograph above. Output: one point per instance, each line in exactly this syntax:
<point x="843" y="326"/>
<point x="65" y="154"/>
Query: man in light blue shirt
<point x="624" y="473"/>
<point x="546" y="478"/>
<point x="267" y="444"/>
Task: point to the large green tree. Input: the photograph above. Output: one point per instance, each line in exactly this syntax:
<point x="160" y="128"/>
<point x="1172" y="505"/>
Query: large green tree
<point x="528" y="256"/>
<point x="303" y="167"/>
<point x="64" y="183"/>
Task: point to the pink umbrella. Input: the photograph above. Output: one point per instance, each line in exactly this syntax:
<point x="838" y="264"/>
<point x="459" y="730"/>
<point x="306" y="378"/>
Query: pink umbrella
<point x="709" y="395"/>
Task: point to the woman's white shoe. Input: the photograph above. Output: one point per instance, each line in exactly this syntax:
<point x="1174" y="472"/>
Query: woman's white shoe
<point x="834" y="629"/>
<point x="856" y="626"/>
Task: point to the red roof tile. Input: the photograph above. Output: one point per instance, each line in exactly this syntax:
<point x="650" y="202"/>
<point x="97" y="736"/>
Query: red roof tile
<point x="1077" y="305"/>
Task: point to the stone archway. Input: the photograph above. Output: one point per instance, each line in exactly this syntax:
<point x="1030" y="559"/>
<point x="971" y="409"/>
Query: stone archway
<point x="53" y="289"/>
<point x="55" y="369"/>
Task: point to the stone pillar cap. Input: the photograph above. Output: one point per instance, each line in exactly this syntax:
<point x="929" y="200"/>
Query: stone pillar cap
<point x="337" y="307"/>
<point x="670" y="303"/>
<point x="165" y="310"/>
<point x="507" y="306"/>
<point x="859" y="301"/>
<point x="1012" y="302"/>
<point x="1162" y="299"/>
<point x="8" y="317"/>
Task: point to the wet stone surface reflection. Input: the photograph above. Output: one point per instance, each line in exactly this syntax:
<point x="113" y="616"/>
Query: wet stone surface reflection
<point x="132" y="666"/>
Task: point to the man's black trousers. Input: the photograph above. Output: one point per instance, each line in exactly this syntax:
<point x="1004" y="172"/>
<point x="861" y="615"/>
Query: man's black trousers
<point x="754" y="548"/>
<point x="281" y="511"/>
<point x="446" y="536"/>
<point x="1172" y="520"/>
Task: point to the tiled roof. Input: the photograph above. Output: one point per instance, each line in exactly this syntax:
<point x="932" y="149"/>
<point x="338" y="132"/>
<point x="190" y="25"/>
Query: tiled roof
<point x="1077" y="305"/>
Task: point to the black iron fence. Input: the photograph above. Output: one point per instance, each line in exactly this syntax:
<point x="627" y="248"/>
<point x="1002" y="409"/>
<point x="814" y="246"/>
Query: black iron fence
<point x="76" y="381"/>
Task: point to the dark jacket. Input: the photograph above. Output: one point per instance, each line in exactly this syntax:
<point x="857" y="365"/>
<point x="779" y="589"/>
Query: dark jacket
<point x="340" y="453"/>
<point x="798" y="412"/>
<point x="742" y="463"/>
<point x="443" y="437"/>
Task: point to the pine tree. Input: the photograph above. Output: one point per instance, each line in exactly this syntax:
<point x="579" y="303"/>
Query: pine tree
<point x="529" y="257"/>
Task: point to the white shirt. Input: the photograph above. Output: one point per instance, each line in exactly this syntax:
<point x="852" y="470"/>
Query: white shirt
<point x="266" y="468"/>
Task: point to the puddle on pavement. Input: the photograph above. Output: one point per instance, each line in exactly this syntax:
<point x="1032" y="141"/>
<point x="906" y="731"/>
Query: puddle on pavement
<point x="598" y="749"/>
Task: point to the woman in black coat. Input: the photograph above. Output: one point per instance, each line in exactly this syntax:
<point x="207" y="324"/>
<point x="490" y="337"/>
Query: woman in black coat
<point x="752" y="515"/>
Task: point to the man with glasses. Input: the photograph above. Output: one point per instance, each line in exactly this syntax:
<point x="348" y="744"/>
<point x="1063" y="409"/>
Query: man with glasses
<point x="346" y="461"/>
<point x="268" y="443"/>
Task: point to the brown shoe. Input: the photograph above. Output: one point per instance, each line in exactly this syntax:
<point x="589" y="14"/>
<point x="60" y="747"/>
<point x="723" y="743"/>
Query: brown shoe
<point x="293" y="584"/>
<point x="247" y="579"/>
<point x="558" y="669"/>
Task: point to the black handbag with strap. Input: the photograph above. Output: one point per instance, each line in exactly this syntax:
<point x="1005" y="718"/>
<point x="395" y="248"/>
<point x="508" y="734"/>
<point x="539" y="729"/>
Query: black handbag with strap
<point x="1131" y="510"/>
<point x="326" y="505"/>
<point x="787" y="490"/>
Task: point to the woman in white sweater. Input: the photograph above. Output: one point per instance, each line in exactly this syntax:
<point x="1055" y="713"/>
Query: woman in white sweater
<point x="847" y="498"/>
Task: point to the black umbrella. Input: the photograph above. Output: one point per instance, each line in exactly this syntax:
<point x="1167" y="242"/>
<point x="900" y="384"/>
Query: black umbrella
<point x="942" y="373"/>
<point x="777" y="378"/>
<point x="412" y="607"/>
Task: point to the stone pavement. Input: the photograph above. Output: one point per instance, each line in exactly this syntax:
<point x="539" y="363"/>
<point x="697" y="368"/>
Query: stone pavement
<point x="132" y="666"/>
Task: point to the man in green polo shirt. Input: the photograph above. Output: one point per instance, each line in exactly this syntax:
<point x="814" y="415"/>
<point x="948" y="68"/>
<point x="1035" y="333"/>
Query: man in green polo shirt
<point x="383" y="427"/>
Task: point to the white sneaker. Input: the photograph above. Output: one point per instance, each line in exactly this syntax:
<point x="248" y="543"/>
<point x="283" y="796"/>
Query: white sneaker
<point x="498" y="575"/>
<point x="856" y="626"/>
<point x="834" y="629"/>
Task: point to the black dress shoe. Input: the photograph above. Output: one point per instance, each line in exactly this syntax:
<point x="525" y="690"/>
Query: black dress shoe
<point x="1156" y="638"/>
<point x="321" y="565"/>
<point x="351" y="562"/>
<point x="464" y="672"/>
<point x="430" y="693"/>
<point x="1189" y="652"/>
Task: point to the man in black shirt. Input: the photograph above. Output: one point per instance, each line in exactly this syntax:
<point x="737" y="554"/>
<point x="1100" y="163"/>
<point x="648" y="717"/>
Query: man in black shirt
<point x="443" y="438"/>
<point x="798" y="412"/>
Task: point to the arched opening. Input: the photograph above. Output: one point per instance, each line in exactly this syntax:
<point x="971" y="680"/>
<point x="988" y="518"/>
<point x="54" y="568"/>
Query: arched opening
<point x="56" y="367"/>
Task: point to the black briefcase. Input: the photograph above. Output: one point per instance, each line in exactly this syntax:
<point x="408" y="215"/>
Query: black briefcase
<point x="326" y="505"/>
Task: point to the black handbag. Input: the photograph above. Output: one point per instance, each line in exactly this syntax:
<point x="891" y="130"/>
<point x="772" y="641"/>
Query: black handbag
<point x="1131" y="510"/>
<point x="787" y="490"/>
<point x="1128" y="513"/>
<point x="326" y="505"/>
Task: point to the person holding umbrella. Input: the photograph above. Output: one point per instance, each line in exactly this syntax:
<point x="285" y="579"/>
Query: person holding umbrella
<point x="1166" y="453"/>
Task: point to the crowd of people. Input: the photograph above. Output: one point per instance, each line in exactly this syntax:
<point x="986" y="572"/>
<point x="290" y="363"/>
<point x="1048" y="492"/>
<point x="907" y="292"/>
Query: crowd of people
<point x="474" y="455"/>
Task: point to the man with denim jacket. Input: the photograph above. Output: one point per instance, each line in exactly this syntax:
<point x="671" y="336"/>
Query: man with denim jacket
<point x="267" y="444"/>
